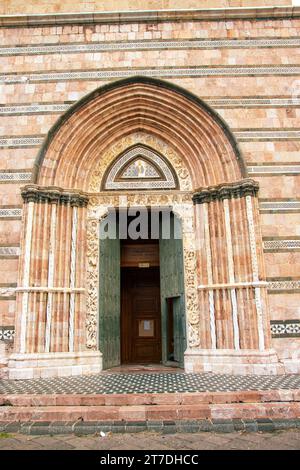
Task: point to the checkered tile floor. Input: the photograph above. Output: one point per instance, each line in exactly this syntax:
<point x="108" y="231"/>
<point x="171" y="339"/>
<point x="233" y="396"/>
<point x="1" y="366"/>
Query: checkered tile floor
<point x="110" y="383"/>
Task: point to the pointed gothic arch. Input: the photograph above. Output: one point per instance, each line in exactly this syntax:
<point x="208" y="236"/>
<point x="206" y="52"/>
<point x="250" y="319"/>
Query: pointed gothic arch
<point x="227" y="319"/>
<point x="195" y="131"/>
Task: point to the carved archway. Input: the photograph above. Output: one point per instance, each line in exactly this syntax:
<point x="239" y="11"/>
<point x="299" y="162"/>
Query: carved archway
<point x="227" y="311"/>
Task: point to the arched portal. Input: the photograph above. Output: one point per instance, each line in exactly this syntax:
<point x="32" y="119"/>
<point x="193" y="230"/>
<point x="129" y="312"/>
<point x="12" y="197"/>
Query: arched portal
<point x="183" y="157"/>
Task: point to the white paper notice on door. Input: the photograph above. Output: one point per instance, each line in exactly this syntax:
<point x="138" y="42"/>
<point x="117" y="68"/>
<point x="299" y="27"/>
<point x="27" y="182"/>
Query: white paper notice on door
<point x="147" y="326"/>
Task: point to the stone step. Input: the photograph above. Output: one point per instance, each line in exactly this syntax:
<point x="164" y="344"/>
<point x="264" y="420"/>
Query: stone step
<point x="148" y="399"/>
<point x="272" y="410"/>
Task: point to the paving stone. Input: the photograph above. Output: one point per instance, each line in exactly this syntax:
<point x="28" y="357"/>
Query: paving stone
<point x="152" y="382"/>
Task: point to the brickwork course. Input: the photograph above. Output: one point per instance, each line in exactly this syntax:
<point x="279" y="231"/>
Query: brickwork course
<point x="286" y="440"/>
<point x="215" y="91"/>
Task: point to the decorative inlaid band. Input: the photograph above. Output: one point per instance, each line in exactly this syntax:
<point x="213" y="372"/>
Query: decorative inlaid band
<point x="281" y="245"/>
<point x="254" y="135"/>
<point x="226" y="102"/>
<point x="255" y="272"/>
<point x="73" y="278"/>
<point x="285" y="328"/>
<point x="9" y="251"/>
<point x="279" y="329"/>
<point x="51" y="269"/>
<point x="7" y="333"/>
<point x="242" y="136"/>
<point x="279" y="206"/>
<point x="20" y="142"/>
<point x="56" y="195"/>
<point x="246" y="187"/>
<point x="273" y="169"/>
<point x="65" y="290"/>
<point x="6" y="292"/>
<point x="15" y="177"/>
<point x="286" y="285"/>
<point x="154" y="72"/>
<point x="10" y="213"/>
<point x="149" y="45"/>
<point x="233" y="285"/>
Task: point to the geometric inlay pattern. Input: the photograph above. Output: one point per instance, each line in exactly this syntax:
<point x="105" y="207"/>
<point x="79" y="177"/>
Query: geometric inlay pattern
<point x="281" y="245"/>
<point x="277" y="285"/>
<point x="7" y="333"/>
<point x="285" y="328"/>
<point x="146" y="45"/>
<point x="140" y="168"/>
<point x="151" y="382"/>
<point x="153" y="72"/>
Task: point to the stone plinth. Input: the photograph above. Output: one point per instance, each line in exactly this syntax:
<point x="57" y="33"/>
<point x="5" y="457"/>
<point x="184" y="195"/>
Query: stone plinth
<point x="33" y="366"/>
<point x="227" y="361"/>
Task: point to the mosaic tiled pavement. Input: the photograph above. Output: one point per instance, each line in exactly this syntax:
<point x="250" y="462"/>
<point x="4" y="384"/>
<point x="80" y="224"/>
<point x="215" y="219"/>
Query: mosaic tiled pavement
<point x="119" y="383"/>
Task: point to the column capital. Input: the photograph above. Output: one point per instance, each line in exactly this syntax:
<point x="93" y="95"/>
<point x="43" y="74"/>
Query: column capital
<point x="237" y="189"/>
<point x="53" y="195"/>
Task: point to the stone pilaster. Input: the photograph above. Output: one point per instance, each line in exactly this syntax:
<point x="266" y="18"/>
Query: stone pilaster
<point x="232" y="284"/>
<point x="49" y="331"/>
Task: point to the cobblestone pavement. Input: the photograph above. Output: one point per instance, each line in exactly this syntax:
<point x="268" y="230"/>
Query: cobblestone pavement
<point x="151" y="382"/>
<point x="283" y="440"/>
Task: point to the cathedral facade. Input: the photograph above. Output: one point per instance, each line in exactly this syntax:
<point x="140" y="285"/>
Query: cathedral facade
<point x="150" y="196"/>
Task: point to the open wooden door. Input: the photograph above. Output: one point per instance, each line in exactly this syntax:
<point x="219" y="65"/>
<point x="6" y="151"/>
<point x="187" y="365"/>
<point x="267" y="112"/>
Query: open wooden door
<point x="109" y="302"/>
<point x="172" y="295"/>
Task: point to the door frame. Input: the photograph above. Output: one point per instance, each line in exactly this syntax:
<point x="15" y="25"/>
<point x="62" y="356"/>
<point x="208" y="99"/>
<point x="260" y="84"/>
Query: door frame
<point x="182" y="206"/>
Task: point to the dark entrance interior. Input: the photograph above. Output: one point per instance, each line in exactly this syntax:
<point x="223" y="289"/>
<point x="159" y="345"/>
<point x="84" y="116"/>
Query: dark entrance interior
<point x="141" y="299"/>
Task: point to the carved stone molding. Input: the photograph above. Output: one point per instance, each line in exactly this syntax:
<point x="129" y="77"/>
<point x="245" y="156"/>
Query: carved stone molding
<point x="181" y="204"/>
<point x="246" y="187"/>
<point x="141" y="138"/>
<point x="35" y="193"/>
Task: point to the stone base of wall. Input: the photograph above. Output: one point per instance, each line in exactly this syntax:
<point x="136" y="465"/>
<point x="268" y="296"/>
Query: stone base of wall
<point x="32" y="366"/>
<point x="227" y="361"/>
<point x="291" y="366"/>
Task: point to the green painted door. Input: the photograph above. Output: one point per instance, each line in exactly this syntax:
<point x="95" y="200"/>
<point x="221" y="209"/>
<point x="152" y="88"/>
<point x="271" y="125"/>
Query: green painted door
<point x="109" y="302"/>
<point x="172" y="293"/>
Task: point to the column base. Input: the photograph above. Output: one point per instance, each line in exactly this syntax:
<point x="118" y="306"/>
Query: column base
<point x="57" y="364"/>
<point x="228" y="361"/>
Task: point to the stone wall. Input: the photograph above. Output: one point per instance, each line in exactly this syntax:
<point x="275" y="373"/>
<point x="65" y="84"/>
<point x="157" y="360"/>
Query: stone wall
<point x="12" y="7"/>
<point x="247" y="70"/>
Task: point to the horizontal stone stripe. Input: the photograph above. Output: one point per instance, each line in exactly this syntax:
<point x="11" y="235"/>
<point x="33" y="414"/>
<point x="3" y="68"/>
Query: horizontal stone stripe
<point x="157" y="72"/>
<point x="10" y="213"/>
<point x="274" y="206"/>
<point x="150" y="45"/>
<point x="15" y="177"/>
<point x="215" y="102"/>
<point x="273" y="135"/>
<point x="279" y="329"/>
<point x="21" y="142"/>
<point x="273" y="245"/>
<point x="285" y="328"/>
<point x="279" y="206"/>
<point x="7" y="333"/>
<point x="283" y="245"/>
<point x="136" y="16"/>
<point x="242" y="136"/>
<point x="273" y="169"/>
<point x="9" y="251"/>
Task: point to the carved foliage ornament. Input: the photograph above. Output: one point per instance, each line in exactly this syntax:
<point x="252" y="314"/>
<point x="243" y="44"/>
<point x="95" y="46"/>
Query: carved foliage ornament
<point x="181" y="205"/>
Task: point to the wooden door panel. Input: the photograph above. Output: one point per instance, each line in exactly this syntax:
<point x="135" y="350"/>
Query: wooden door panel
<point x="109" y="302"/>
<point x="172" y="298"/>
<point x="140" y="320"/>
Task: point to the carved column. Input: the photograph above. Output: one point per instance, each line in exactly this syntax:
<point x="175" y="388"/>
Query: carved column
<point x="50" y="332"/>
<point x="235" y="331"/>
